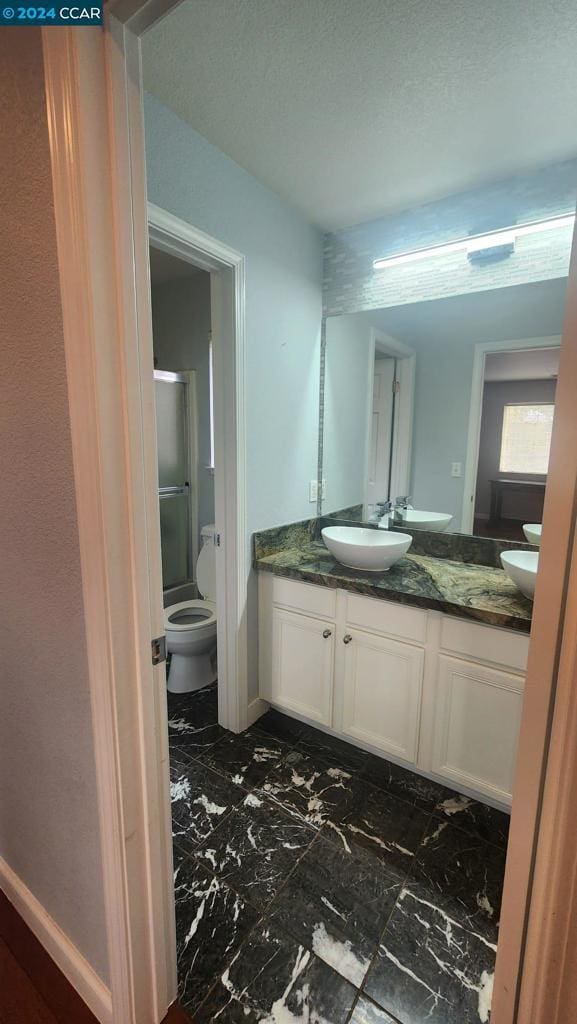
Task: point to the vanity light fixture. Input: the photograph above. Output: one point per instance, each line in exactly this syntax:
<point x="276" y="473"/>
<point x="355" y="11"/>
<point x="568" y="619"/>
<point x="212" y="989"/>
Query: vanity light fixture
<point x="477" y="243"/>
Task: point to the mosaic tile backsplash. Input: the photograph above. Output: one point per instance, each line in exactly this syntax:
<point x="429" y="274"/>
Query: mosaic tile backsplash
<point x="351" y="284"/>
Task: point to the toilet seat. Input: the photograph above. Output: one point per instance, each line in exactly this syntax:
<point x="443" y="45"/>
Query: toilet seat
<point x="205" y="610"/>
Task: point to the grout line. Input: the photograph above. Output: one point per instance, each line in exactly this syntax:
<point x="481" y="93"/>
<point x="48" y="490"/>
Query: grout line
<point x="386" y="925"/>
<point x="354" y="1006"/>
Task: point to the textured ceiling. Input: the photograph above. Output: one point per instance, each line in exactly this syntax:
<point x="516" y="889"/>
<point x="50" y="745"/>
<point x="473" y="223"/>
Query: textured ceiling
<point x="350" y="109"/>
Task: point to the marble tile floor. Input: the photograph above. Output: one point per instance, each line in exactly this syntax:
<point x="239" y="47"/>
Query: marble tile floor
<point x="318" y="884"/>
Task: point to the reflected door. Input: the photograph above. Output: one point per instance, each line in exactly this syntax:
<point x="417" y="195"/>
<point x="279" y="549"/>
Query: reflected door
<point x="380" y="448"/>
<point x="174" y="464"/>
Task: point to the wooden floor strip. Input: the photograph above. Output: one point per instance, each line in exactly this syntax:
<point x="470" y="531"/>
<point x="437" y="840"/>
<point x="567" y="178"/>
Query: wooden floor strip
<point x="33" y="989"/>
<point x="20" y="1003"/>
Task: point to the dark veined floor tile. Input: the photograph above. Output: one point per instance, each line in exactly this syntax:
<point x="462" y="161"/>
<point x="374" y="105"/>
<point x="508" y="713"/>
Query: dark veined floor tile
<point x="475" y="817"/>
<point x="430" y="970"/>
<point x="255" y="849"/>
<point x="337" y="904"/>
<point x="246" y="759"/>
<point x="274" y="979"/>
<point x="211" y="923"/>
<point x="390" y="829"/>
<point x="306" y="788"/>
<point x="200" y="800"/>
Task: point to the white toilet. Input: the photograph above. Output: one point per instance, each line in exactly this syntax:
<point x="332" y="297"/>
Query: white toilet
<point x="190" y="627"/>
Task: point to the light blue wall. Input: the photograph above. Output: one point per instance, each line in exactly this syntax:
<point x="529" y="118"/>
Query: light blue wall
<point x="347" y="394"/>
<point x="195" y="181"/>
<point x="443" y="379"/>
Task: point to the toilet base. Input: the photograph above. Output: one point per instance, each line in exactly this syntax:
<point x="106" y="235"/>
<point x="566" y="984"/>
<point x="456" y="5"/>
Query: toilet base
<point x="188" y="673"/>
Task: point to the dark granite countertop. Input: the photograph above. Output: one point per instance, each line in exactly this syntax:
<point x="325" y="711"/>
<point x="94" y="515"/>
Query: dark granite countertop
<point x="468" y="591"/>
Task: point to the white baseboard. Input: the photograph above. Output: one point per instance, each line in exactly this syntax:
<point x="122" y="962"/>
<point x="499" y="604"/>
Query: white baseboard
<point x="66" y="956"/>
<point x="256" y="708"/>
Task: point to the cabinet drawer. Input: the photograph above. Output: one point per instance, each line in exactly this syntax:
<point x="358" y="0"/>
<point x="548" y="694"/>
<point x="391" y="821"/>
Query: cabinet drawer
<point x="304" y="597"/>
<point x="485" y="643"/>
<point x="387" y="618"/>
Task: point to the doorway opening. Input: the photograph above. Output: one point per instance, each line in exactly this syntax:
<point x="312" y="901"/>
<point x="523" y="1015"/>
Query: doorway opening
<point x="197" y="287"/>
<point x="198" y="576"/>
<point x="381" y="430"/>
<point x="512" y="408"/>
<point x="392" y="374"/>
<point x="183" y="392"/>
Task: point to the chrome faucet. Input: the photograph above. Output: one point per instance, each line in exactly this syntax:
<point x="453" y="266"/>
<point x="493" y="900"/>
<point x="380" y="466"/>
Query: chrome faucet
<point x="401" y="504"/>
<point x="384" y="507"/>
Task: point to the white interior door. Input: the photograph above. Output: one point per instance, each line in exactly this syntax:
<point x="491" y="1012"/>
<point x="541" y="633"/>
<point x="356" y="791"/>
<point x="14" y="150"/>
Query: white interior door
<point x="381" y="431"/>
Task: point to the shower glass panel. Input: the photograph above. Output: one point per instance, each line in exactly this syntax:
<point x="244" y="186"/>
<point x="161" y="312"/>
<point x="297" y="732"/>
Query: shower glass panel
<point x="171" y="430"/>
<point x="174" y="468"/>
<point x="174" y="538"/>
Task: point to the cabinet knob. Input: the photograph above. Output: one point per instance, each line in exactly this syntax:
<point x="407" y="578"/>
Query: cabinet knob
<point x="327" y="633"/>
<point x="347" y="638"/>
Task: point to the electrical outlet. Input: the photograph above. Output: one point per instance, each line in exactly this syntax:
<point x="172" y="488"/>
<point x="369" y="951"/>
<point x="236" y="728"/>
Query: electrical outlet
<point x="313" y="490"/>
<point x="456" y="469"/>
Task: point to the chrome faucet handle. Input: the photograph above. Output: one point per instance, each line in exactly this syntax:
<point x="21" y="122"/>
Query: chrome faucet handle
<point x="386" y="506"/>
<point x="403" y="500"/>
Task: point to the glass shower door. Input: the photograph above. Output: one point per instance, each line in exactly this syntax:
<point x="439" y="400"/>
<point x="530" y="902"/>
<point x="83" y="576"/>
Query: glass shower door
<point x="174" y="468"/>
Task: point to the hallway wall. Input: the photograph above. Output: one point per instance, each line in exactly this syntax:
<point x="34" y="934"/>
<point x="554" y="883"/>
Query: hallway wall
<point x="49" y="829"/>
<point x="195" y="181"/>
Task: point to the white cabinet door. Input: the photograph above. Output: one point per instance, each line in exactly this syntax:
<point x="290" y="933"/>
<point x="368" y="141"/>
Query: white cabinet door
<point x="476" y="726"/>
<point x="302" y="664"/>
<point x="381" y="692"/>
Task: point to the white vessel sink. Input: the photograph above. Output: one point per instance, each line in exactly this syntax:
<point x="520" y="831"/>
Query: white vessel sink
<point x="522" y="568"/>
<point x="532" y="532"/>
<point x="418" y="520"/>
<point x="370" y="550"/>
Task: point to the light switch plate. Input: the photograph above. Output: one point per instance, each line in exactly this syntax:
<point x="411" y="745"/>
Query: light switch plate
<point x="323" y="488"/>
<point x="456" y="469"/>
<point x="313" y="490"/>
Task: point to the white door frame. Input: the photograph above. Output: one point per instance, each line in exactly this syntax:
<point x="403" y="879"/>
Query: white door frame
<point x="383" y="344"/>
<point x="369" y="496"/>
<point x="98" y="206"/>
<point x="227" y="295"/>
<point x="96" y="131"/>
<point x="482" y="350"/>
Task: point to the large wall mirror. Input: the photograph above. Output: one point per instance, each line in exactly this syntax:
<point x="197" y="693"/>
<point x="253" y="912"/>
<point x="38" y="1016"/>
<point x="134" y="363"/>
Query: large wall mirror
<point x="437" y="415"/>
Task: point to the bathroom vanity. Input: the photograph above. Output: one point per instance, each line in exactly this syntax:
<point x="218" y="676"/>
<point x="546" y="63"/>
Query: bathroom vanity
<point x="423" y="673"/>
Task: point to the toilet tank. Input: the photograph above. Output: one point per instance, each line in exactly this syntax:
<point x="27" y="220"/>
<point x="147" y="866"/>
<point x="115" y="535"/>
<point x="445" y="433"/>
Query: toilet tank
<point x="207" y="534"/>
<point x="206" y="564"/>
